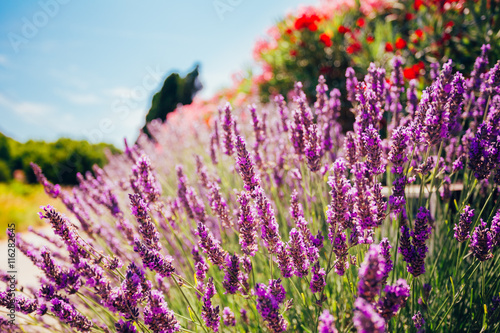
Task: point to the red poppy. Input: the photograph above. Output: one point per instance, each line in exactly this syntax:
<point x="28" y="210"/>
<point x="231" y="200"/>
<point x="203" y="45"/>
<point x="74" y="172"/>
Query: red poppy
<point x="409" y="16"/>
<point x="417" y="4"/>
<point x="353" y="48"/>
<point x="344" y="30"/>
<point x="409" y="73"/>
<point x="293" y="53"/>
<point x="419" y="33"/>
<point x="450" y="24"/>
<point x="325" y="39"/>
<point x="307" y="21"/>
<point x="313" y="27"/>
<point x="370" y="39"/>
<point x="389" y="47"/>
<point x="400" y="43"/>
<point x="288" y="31"/>
<point x="360" y="22"/>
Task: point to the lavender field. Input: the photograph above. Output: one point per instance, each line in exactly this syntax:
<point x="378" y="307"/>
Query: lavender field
<point x="282" y="216"/>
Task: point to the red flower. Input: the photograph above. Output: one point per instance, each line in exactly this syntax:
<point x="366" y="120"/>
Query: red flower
<point x="293" y="53"/>
<point x="400" y="43"/>
<point x="389" y="47"/>
<point x="325" y="39"/>
<point x="288" y="31"/>
<point x="409" y="73"/>
<point x="353" y="48"/>
<point x="450" y="24"/>
<point x="313" y="27"/>
<point x="417" y="4"/>
<point x="419" y="33"/>
<point x="343" y="29"/>
<point x="307" y="21"/>
<point x="360" y="22"/>
<point x="409" y="16"/>
<point x="370" y="39"/>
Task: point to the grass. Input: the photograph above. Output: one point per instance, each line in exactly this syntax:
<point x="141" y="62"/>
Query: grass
<point x="19" y="204"/>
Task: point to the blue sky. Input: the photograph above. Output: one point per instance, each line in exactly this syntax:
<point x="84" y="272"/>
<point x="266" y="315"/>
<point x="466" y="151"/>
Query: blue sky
<point x="88" y="69"/>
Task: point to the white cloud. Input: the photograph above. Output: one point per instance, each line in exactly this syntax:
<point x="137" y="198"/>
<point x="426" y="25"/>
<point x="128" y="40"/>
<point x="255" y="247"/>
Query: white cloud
<point x="28" y="110"/>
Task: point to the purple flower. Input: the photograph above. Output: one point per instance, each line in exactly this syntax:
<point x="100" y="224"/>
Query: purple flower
<point x="480" y="66"/>
<point x="297" y="250"/>
<point x="228" y="134"/>
<point x="385" y="251"/>
<point x="268" y="307"/>
<point x="283" y="112"/>
<point x="372" y="143"/>
<point x="419" y="322"/>
<point x="351" y="84"/>
<point x="394" y="299"/>
<point x="463" y="226"/>
<point x="337" y="212"/>
<point x="284" y="261"/>
<point x="269" y="225"/>
<point x="414" y="252"/>
<point x="209" y="313"/>
<point x="144" y="180"/>
<point x="326" y="323"/>
<point x="372" y="274"/>
<point x="248" y="226"/>
<point x="495" y="229"/>
<point x="51" y="189"/>
<point x="125" y="327"/>
<point x="147" y="228"/>
<point x="228" y="317"/>
<point x="219" y="206"/>
<point x="68" y="314"/>
<point x="232" y="277"/>
<point x="245" y="164"/>
<point x="481" y="242"/>
<point x="182" y="192"/>
<point x="157" y="315"/>
<point x="366" y="319"/>
<point x="211" y="246"/>
<point x="312" y="149"/>
<point x="153" y="260"/>
<point x="318" y="278"/>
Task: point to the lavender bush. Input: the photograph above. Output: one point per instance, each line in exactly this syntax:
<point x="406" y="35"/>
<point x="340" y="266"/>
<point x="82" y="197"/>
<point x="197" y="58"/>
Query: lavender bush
<point x="277" y="221"/>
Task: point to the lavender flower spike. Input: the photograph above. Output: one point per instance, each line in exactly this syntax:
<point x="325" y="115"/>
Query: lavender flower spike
<point x="318" y="278"/>
<point x="394" y="299"/>
<point x="147" y="228"/>
<point x="232" y="276"/>
<point x="419" y="322"/>
<point x="51" y="189"/>
<point x="248" y="226"/>
<point x="366" y="319"/>
<point x="209" y="313"/>
<point x="269" y="225"/>
<point x="246" y="166"/>
<point x="371" y="274"/>
<point x="297" y="250"/>
<point x="228" y="123"/>
<point x="228" y="317"/>
<point x="481" y="242"/>
<point x="463" y="227"/>
<point x="495" y="229"/>
<point x="268" y="307"/>
<point x="326" y="323"/>
<point x="158" y="317"/>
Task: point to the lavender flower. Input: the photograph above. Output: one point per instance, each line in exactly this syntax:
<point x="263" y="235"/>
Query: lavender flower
<point x="147" y="228"/>
<point x="283" y="112"/>
<point x="337" y="212"/>
<point x="372" y="274"/>
<point x="372" y="143"/>
<point x="268" y="307"/>
<point x="228" y="317"/>
<point x="284" y="261"/>
<point x="209" y="313"/>
<point x="366" y="319"/>
<point x="245" y="164"/>
<point x="248" y="226"/>
<point x="297" y="250"/>
<point x="312" y="149"/>
<point x="182" y="191"/>
<point x="153" y="260"/>
<point x="68" y="314"/>
<point x="210" y="245"/>
<point x="480" y="66"/>
<point x="144" y="180"/>
<point x="269" y="225"/>
<point x="495" y="229"/>
<point x="394" y="299"/>
<point x="125" y="327"/>
<point x="232" y="277"/>
<point x="481" y="242"/>
<point x="51" y="189"/>
<point x="158" y="317"/>
<point x="318" y="278"/>
<point x="385" y="251"/>
<point x="414" y="252"/>
<point x="351" y="84"/>
<point x="412" y="99"/>
<point x="463" y="226"/>
<point x="326" y="323"/>
<point x="228" y="134"/>
<point x="219" y="206"/>
<point x="419" y="322"/>
<point x="321" y="103"/>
